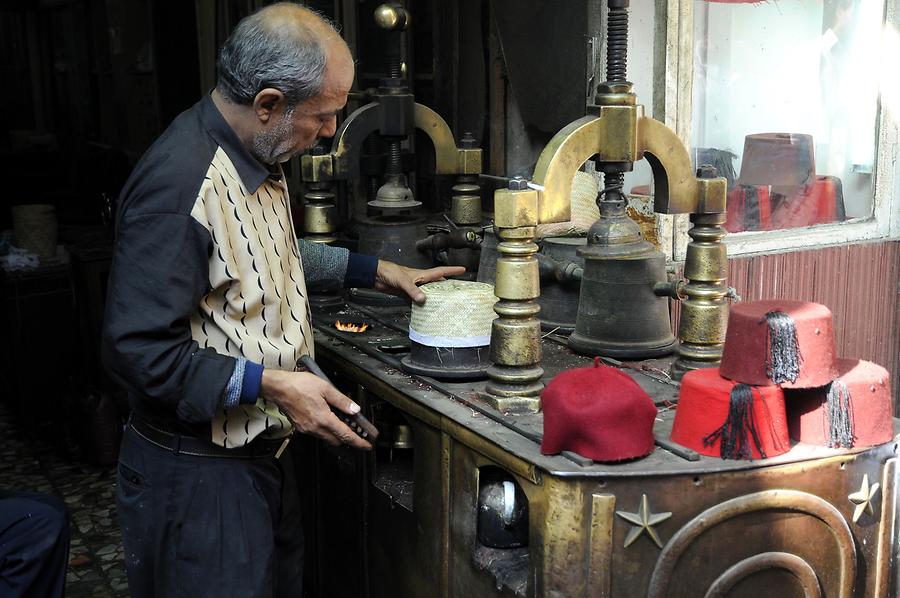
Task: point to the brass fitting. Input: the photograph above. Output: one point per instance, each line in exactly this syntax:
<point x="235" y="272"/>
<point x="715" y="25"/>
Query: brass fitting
<point x="316" y="168"/>
<point x="392" y="17"/>
<point x="515" y="207"/>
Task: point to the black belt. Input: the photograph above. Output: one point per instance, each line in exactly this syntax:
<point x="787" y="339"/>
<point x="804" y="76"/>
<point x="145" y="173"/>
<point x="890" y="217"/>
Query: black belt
<point x="198" y="447"/>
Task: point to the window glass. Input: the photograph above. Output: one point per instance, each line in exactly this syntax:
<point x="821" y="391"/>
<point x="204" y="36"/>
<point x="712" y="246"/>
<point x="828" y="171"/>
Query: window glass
<point x="785" y="104"/>
<point x="642" y="24"/>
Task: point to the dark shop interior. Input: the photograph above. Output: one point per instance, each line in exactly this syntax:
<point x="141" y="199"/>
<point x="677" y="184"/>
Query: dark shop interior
<point x="450" y="298"/>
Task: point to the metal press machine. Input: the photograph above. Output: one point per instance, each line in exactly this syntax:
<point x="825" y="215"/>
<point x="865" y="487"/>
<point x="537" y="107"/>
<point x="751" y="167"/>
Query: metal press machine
<point x="464" y="504"/>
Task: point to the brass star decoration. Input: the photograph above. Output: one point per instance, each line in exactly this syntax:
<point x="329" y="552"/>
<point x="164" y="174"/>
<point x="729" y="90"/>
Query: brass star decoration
<point x="643" y="521"/>
<point x="862" y="498"/>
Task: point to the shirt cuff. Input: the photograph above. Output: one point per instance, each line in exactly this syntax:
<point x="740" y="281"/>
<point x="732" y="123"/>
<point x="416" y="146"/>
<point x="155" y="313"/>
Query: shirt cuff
<point x="361" y="271"/>
<point x="252" y="381"/>
<point x="235" y="383"/>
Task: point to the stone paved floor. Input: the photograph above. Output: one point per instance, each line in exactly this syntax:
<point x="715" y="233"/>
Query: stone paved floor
<point x="96" y="568"/>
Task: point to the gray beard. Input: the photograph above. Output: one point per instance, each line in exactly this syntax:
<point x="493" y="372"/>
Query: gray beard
<point x="274" y="145"/>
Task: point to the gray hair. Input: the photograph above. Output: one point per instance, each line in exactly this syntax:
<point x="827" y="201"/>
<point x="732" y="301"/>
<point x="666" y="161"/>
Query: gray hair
<point x="258" y="55"/>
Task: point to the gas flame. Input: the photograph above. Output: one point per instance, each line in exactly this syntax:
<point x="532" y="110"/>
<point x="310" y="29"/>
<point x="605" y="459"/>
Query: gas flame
<point x="351" y="327"/>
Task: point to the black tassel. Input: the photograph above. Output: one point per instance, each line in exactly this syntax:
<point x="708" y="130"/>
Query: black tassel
<point x="739" y="422"/>
<point x="840" y="416"/>
<point x="751" y="207"/>
<point x="783" y="351"/>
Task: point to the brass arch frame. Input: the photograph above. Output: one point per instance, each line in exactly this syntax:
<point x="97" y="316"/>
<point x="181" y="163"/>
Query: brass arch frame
<point x="342" y="162"/>
<point x="790" y="500"/>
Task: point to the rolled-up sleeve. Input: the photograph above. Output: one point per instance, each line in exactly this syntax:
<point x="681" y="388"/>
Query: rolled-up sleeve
<point x="159" y="276"/>
<point x="326" y="267"/>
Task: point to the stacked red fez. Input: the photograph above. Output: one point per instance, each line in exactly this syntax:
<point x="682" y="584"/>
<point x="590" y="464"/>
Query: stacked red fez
<point x="780" y="378"/>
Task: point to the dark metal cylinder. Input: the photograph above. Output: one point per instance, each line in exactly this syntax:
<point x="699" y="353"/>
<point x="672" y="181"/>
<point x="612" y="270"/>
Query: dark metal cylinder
<point x="619" y="315"/>
<point x="559" y="300"/>
<point x="393" y="237"/>
<point x="450" y="363"/>
<point x="487" y="262"/>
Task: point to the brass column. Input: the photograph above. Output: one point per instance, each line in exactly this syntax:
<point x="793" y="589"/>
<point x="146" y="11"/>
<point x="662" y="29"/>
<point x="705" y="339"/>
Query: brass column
<point x="515" y="373"/>
<point x="704" y="311"/>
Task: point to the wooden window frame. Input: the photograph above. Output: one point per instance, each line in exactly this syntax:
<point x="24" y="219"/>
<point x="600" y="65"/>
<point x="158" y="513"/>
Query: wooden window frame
<point x="673" y="70"/>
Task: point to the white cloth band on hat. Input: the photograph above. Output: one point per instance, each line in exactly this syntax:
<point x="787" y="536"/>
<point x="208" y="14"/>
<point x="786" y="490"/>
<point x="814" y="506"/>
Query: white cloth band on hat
<point x="449" y="341"/>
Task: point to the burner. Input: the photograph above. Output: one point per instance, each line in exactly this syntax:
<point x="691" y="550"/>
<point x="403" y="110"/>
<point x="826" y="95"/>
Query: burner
<point x="354" y="327"/>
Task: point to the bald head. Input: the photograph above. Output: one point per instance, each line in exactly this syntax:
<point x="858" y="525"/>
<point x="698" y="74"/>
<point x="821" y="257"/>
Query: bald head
<point x="283" y="46"/>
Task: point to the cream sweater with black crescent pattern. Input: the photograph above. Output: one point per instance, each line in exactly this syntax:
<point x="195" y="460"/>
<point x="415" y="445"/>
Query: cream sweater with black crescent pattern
<point x="257" y="306"/>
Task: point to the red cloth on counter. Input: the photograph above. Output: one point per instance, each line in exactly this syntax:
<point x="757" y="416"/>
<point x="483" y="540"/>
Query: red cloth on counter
<point x="598" y="412"/>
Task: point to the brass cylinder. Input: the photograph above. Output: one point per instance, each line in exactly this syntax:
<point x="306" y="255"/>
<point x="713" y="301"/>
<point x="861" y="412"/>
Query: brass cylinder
<point x="465" y="201"/>
<point x="517" y="278"/>
<point x="320" y="218"/>
<point x="514" y="346"/>
<point x="320" y="215"/>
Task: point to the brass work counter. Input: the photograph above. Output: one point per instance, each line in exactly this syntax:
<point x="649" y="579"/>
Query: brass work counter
<point x="402" y="521"/>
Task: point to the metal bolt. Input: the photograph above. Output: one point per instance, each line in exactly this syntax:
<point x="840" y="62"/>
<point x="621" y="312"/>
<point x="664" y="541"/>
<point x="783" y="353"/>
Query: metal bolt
<point x="319" y="150"/>
<point x="707" y="171"/>
<point x="517" y="183"/>
<point x="467" y="141"/>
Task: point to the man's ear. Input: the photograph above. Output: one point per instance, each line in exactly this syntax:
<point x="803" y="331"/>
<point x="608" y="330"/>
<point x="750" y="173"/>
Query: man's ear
<point x="268" y="103"/>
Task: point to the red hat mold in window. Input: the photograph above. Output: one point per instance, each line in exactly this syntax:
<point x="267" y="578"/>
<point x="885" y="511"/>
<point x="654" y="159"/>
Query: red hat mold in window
<point x="718" y="417"/>
<point x="854" y="410"/>
<point x="598" y="412"/>
<point x="789" y="343"/>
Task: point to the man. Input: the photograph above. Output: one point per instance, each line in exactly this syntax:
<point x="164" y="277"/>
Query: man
<point x="34" y="545"/>
<point x="207" y="316"/>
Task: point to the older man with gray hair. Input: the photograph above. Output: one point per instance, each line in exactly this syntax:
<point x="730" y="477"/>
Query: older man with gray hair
<point x="207" y="315"/>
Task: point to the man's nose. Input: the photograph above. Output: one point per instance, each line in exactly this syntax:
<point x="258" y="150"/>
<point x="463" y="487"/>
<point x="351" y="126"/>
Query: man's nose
<point x="329" y="128"/>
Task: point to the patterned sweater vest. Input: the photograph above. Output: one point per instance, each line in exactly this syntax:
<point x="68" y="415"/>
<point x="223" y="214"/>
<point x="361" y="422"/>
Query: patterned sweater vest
<point x="257" y="306"/>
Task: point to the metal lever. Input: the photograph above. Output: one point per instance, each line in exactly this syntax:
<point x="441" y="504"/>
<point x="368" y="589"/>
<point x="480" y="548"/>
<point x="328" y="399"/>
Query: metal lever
<point x="358" y="423"/>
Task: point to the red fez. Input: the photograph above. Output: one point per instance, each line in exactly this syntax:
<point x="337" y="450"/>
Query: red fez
<point x="853" y="410"/>
<point x="598" y="412"/>
<point x="721" y="418"/>
<point x="790" y="343"/>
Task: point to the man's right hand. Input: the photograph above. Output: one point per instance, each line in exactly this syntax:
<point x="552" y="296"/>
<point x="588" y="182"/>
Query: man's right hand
<point x="305" y="398"/>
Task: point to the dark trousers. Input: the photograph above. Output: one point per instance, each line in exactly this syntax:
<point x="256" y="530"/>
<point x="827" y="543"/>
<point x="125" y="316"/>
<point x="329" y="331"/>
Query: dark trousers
<point x="34" y="545"/>
<point x="208" y="526"/>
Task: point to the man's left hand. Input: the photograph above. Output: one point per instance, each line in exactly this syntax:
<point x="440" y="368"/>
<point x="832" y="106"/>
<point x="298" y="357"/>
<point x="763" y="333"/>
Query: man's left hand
<point x="400" y="280"/>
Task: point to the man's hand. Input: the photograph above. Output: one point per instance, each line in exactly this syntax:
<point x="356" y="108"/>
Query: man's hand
<point x="400" y="280"/>
<point x="305" y="398"/>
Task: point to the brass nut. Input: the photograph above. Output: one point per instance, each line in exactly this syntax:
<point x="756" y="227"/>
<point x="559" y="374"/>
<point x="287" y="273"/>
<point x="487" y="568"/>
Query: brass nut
<point x="618" y="134"/>
<point x="711" y="195"/>
<point x="468" y="161"/>
<point x="315" y="169"/>
<point x="513" y="209"/>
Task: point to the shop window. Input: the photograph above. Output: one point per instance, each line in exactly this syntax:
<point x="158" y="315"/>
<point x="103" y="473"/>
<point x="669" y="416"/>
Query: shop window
<point x="793" y="102"/>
